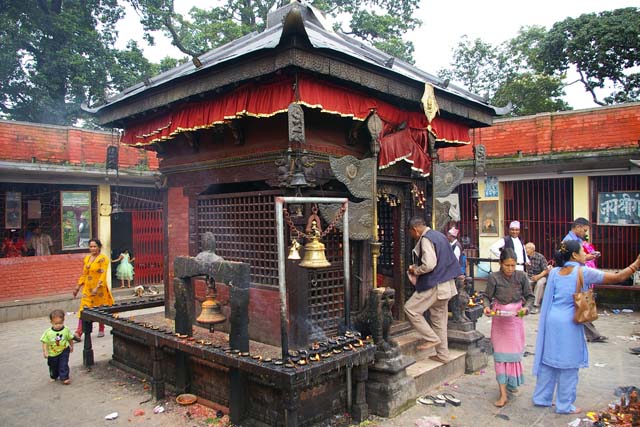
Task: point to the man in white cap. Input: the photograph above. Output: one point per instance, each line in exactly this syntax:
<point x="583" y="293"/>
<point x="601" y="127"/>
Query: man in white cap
<point x="452" y="236"/>
<point x="512" y="241"/>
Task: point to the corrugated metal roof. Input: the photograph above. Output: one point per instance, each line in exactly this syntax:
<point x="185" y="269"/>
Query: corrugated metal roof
<point x="296" y="17"/>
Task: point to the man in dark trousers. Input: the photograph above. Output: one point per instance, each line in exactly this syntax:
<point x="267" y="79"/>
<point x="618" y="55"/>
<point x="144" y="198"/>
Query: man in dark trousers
<point x="512" y="241"/>
<point x="579" y="229"/>
<point x="435" y="267"/>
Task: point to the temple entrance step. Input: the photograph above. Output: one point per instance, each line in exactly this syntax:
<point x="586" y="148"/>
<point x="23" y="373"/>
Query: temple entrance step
<point x="409" y="343"/>
<point x="400" y="327"/>
<point x="429" y="374"/>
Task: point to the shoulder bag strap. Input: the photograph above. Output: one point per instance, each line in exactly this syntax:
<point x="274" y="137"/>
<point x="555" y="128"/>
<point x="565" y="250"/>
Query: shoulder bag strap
<point x="580" y="281"/>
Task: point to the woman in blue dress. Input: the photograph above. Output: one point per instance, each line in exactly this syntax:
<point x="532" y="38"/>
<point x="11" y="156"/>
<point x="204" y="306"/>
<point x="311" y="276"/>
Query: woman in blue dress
<point x="561" y="347"/>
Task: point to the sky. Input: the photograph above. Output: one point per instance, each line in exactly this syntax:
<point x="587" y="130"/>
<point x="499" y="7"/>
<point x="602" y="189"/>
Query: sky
<point x="443" y="25"/>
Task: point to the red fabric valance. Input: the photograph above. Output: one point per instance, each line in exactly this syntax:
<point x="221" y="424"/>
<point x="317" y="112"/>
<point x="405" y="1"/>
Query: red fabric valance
<point x="265" y="100"/>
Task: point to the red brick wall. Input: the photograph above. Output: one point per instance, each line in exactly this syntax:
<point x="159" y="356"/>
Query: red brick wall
<point x="32" y="277"/>
<point x="21" y="141"/>
<point x="178" y="232"/>
<point x="583" y="130"/>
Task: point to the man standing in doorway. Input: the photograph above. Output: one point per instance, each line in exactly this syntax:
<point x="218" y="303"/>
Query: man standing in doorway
<point x="40" y="242"/>
<point x="579" y="229"/>
<point x="435" y="267"/>
<point x="512" y="241"/>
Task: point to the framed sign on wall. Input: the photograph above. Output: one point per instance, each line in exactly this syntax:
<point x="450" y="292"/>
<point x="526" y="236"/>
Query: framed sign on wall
<point x="13" y="210"/>
<point x="76" y="219"/>
<point x="488" y="217"/>
<point x="619" y="208"/>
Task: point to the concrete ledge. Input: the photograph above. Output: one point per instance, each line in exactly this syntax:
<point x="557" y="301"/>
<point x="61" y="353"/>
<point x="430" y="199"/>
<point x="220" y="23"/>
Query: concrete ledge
<point x="42" y="306"/>
<point x="428" y="373"/>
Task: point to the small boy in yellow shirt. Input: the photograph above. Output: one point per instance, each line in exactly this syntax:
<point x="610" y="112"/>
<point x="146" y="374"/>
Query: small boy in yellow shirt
<point x="57" y="344"/>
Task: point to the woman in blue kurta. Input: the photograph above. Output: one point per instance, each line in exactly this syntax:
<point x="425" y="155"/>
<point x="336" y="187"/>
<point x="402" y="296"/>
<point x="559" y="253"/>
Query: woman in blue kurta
<point x="561" y="347"/>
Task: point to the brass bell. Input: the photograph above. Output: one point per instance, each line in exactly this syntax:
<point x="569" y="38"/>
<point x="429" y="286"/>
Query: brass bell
<point x="314" y="251"/>
<point x="294" y="250"/>
<point x="211" y="313"/>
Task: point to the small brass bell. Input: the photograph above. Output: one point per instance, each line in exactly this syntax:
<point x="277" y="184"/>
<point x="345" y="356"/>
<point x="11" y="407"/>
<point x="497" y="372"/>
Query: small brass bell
<point x="294" y="250"/>
<point x="314" y="251"/>
<point x="211" y="313"/>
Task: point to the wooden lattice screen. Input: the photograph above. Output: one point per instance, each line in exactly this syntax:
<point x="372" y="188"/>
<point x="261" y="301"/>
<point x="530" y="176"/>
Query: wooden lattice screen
<point x="326" y="291"/>
<point x="244" y="226"/>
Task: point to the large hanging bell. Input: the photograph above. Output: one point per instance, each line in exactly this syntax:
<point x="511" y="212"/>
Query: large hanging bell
<point x="211" y="313"/>
<point x="314" y="251"/>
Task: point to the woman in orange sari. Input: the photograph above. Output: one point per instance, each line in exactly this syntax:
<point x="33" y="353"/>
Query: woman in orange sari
<point x="95" y="289"/>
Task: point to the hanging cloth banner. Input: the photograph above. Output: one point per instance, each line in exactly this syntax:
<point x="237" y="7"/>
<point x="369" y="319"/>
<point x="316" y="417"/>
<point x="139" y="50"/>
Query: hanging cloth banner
<point x="266" y="100"/>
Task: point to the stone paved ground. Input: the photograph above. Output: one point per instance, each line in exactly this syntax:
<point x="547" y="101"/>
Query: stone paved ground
<point x="27" y="398"/>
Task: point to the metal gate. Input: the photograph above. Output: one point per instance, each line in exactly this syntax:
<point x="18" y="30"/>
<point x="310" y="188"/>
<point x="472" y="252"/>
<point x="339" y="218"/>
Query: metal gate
<point x="148" y="242"/>
<point x="544" y="208"/>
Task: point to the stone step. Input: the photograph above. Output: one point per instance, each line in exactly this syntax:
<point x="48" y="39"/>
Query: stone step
<point x="409" y="343"/>
<point x="428" y="374"/>
<point x="400" y="327"/>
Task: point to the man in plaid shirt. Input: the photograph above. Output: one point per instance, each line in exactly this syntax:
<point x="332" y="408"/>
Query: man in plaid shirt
<point x="537" y="271"/>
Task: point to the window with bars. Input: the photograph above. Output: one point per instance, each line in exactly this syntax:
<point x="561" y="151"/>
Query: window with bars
<point x="385" y="236"/>
<point x="544" y="208"/>
<point x="245" y="229"/>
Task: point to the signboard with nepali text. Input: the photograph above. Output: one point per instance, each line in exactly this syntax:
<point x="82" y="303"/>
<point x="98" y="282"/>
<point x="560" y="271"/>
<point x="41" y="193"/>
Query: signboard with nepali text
<point x="619" y="208"/>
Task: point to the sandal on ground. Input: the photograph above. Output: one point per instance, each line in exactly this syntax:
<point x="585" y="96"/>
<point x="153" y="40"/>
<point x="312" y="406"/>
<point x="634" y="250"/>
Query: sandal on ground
<point x="450" y="398"/>
<point x="430" y="400"/>
<point x="100" y="334"/>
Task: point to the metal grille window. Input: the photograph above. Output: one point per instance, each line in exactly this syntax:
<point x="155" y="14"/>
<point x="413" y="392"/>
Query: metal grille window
<point x="468" y="216"/>
<point x="148" y="232"/>
<point x="245" y="229"/>
<point x="544" y="208"/>
<point x="385" y="236"/>
<point x="618" y="244"/>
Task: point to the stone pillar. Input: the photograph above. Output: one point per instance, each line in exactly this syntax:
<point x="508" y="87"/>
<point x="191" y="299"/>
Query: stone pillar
<point x="389" y="389"/>
<point x="464" y="336"/>
<point x="157" y="381"/>
<point x="360" y="409"/>
<point x="104" y="224"/>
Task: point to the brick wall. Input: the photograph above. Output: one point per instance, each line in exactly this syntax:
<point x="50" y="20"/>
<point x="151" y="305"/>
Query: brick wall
<point x="32" y="277"/>
<point x="20" y="141"/>
<point x="584" y="130"/>
<point x="177" y="233"/>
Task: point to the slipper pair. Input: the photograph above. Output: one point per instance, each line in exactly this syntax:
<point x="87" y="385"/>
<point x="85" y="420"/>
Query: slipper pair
<point x="440" y="400"/>
<point x="431" y="400"/>
<point x="449" y="398"/>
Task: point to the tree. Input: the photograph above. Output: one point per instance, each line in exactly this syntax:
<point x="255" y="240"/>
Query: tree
<point x="502" y="74"/>
<point x="58" y="54"/>
<point x="379" y="22"/>
<point x="604" y="48"/>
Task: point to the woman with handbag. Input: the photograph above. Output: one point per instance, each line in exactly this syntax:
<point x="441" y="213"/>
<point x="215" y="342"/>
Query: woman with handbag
<point x="561" y="347"/>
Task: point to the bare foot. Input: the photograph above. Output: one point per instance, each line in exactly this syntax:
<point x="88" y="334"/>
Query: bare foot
<point x="501" y="402"/>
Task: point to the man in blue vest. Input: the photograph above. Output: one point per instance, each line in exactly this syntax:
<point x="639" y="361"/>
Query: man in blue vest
<point x="435" y="267"/>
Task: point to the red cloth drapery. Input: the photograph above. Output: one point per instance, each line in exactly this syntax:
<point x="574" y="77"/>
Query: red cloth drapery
<point x="264" y="100"/>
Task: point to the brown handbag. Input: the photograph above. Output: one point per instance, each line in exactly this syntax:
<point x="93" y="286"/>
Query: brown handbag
<point x="585" y="302"/>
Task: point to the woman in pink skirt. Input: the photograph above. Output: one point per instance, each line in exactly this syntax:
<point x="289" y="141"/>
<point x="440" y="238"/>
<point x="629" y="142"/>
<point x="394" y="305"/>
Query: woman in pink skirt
<point x="507" y="298"/>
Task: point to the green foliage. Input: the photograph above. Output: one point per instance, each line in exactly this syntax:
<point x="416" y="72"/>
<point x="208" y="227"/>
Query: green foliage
<point x="603" y="47"/>
<point x="379" y="22"/>
<point x="529" y="70"/>
<point x="58" y="54"/>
